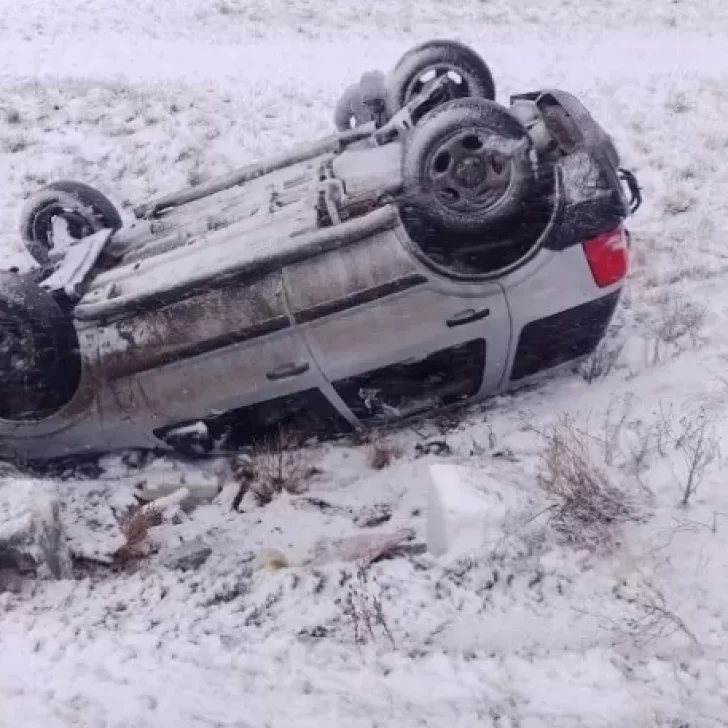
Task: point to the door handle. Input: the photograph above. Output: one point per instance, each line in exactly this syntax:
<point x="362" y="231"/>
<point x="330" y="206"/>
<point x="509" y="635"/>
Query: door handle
<point x="467" y="317"/>
<point x="287" y="370"/>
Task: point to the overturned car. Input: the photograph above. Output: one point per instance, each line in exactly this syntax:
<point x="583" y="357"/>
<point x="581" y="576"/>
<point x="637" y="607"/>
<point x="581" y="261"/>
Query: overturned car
<point x="439" y="248"/>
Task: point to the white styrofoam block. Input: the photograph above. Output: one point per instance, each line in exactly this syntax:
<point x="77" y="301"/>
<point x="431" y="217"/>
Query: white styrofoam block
<point x="465" y="508"/>
<point x="157" y="486"/>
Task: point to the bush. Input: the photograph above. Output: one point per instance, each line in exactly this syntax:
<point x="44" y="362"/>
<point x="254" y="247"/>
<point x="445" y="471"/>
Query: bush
<point x="585" y="504"/>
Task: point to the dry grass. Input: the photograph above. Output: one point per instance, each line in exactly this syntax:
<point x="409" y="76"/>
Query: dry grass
<point x="677" y="328"/>
<point x="583" y="472"/>
<point x="585" y="503"/>
<point x="688" y="440"/>
<point x="695" y="439"/>
<point x="655" y="617"/>
<point x="382" y="454"/>
<point x="14" y="143"/>
<point x="278" y="465"/>
<point x="602" y="361"/>
<point x="362" y="606"/>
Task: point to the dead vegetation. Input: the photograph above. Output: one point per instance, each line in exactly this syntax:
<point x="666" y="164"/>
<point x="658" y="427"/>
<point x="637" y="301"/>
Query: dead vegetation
<point x="382" y="453"/>
<point x="277" y="465"/>
<point x="585" y="503"/>
<point x="695" y="439"/>
<point x="14" y="143"/>
<point x="595" y="478"/>
<point x="654" y="618"/>
<point x="650" y="615"/>
<point x="362" y="606"/>
<point x="687" y="441"/>
<point x="602" y="360"/>
<point x="677" y="328"/>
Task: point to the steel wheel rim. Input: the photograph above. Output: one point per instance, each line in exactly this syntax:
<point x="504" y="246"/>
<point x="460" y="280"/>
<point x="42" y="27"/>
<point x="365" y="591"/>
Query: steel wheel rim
<point x="465" y="174"/>
<point x="434" y="71"/>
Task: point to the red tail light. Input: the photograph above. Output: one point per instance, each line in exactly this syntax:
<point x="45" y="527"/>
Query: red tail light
<point x="607" y="256"/>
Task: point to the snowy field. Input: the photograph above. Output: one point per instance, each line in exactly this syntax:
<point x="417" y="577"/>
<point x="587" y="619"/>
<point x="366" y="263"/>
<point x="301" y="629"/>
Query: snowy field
<point x="556" y="621"/>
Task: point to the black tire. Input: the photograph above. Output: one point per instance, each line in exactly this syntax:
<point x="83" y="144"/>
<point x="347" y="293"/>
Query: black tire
<point x="101" y="204"/>
<point x="467" y="165"/>
<point x="40" y="364"/>
<point x="350" y="111"/>
<point x="439" y="57"/>
<point x="85" y="210"/>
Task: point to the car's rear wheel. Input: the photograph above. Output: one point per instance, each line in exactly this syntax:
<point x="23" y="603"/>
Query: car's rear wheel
<point x="40" y="364"/>
<point x="467" y="165"/>
<point x="429" y="61"/>
<point x="83" y="209"/>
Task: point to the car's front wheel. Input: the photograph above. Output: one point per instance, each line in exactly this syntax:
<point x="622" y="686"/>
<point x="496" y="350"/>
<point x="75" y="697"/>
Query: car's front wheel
<point x="40" y="365"/>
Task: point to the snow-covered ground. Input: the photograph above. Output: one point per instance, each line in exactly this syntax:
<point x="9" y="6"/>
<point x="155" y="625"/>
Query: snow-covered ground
<point x="536" y="628"/>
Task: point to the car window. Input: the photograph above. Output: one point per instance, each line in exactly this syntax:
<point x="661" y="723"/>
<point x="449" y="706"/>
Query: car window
<point x="403" y="389"/>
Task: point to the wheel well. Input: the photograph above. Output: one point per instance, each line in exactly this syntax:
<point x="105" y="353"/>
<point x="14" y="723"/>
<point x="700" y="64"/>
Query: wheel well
<point x="490" y="251"/>
<point x="51" y="360"/>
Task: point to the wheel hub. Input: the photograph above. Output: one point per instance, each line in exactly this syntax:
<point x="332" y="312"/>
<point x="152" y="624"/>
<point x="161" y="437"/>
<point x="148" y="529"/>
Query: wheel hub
<point x="469" y="172"/>
<point x="466" y="174"/>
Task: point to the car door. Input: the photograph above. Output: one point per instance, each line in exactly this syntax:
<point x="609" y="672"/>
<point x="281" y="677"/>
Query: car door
<point x="392" y="337"/>
<point x="203" y="356"/>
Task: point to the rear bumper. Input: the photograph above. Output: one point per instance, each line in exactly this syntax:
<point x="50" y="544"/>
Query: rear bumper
<point x="566" y="336"/>
<point x="594" y="197"/>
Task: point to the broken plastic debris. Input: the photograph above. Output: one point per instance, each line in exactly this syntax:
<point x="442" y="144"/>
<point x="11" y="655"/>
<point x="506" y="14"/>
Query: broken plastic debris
<point x="173" y="501"/>
<point x="366" y="547"/>
<point x="160" y="485"/>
